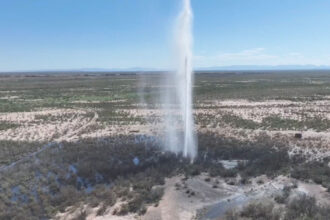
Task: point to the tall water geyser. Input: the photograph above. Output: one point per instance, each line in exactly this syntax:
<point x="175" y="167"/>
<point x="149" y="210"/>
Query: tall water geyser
<point x="179" y="120"/>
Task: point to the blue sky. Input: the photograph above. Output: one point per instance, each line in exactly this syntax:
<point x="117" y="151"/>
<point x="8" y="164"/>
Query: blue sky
<point x="69" y="34"/>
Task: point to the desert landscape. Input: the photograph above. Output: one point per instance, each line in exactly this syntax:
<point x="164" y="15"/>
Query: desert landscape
<point x="164" y="110"/>
<point x="90" y="146"/>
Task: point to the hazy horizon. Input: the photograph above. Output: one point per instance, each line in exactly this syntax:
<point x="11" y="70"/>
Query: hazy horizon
<point x="210" y="68"/>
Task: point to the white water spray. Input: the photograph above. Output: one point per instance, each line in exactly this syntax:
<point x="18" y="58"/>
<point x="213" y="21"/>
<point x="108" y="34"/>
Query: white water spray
<point x="180" y="129"/>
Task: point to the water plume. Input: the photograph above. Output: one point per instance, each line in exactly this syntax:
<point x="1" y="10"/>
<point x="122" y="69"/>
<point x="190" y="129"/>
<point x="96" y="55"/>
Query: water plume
<point x="179" y="121"/>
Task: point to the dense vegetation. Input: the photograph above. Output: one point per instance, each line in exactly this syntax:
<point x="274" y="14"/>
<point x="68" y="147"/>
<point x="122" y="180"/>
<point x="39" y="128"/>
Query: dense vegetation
<point x="301" y="207"/>
<point x="129" y="169"/>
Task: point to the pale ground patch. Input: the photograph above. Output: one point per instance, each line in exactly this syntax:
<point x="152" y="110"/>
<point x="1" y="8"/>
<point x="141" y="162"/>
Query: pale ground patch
<point x="206" y="200"/>
<point x="72" y="213"/>
<point x="22" y="117"/>
<point x="10" y="97"/>
<point x="257" y="111"/>
<point x="95" y="102"/>
<point x="45" y="124"/>
<point x="197" y="198"/>
<point x="73" y="124"/>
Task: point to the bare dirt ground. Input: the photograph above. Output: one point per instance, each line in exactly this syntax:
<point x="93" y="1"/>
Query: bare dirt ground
<point x="46" y="124"/>
<point x="258" y="110"/>
<point x="210" y="202"/>
<point x="202" y="197"/>
<point x="75" y="124"/>
<point x="228" y="108"/>
<point x="72" y="124"/>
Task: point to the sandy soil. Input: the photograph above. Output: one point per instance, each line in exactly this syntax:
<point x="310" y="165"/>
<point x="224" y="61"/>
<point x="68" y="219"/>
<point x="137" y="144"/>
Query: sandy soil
<point x="91" y="213"/>
<point x="257" y="111"/>
<point x="208" y="202"/>
<point x="46" y="124"/>
<point x="74" y="124"/>
<point x="194" y="198"/>
<point x="197" y="198"/>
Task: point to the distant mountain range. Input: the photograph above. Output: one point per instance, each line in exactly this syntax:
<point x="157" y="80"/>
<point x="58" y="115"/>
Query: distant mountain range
<point x="213" y="68"/>
<point x="265" y="67"/>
